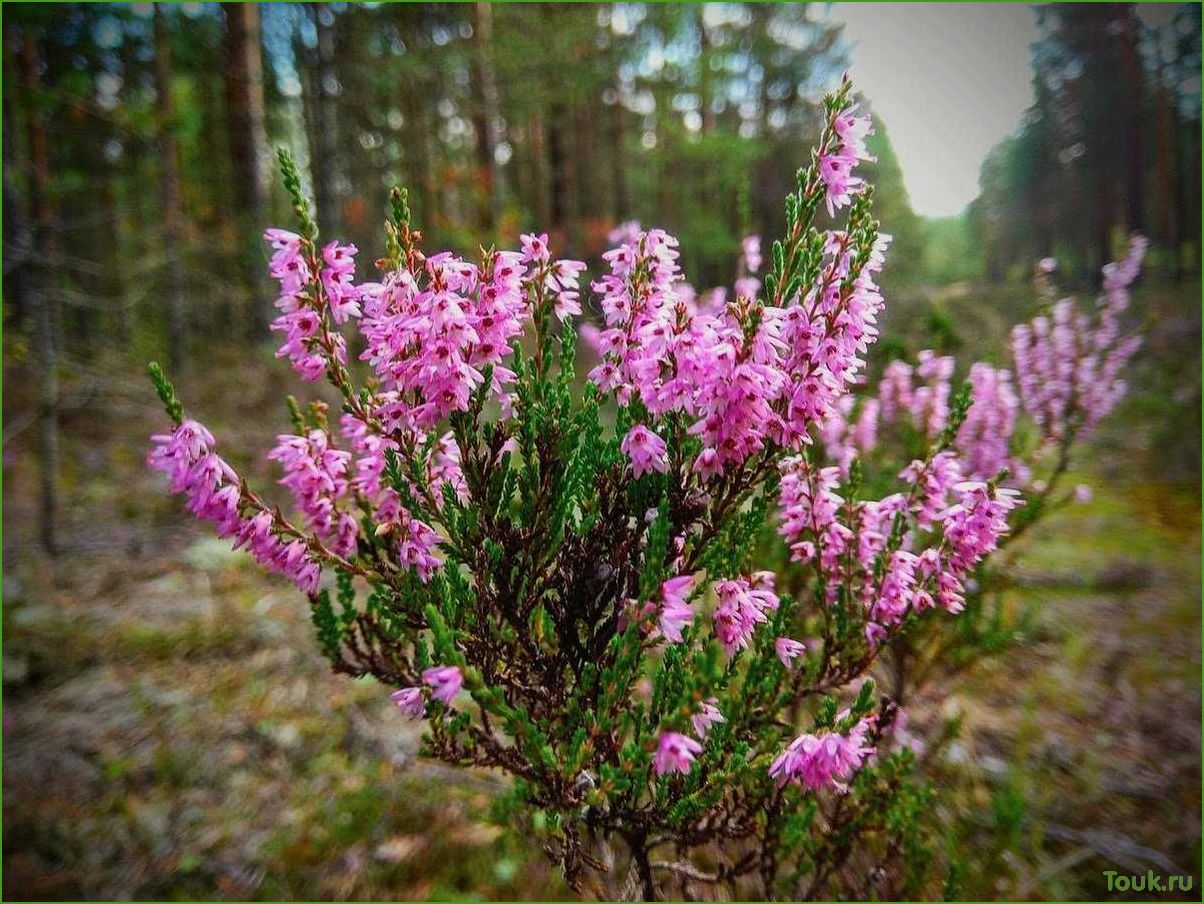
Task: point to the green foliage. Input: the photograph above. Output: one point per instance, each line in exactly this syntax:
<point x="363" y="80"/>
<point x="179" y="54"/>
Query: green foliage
<point x="167" y="393"/>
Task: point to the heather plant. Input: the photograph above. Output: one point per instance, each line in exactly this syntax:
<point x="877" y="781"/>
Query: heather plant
<point x="654" y="596"/>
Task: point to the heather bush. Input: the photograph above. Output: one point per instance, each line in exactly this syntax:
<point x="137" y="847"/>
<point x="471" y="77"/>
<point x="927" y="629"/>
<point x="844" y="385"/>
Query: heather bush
<point x="655" y="596"/>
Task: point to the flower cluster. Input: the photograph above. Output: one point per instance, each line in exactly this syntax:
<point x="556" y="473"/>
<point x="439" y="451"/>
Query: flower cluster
<point x="948" y="527"/>
<point x="317" y="476"/>
<point x="743" y="604"/>
<point x="984" y="438"/>
<point x="826" y="759"/>
<point x="307" y="298"/>
<point x="443" y="683"/>
<point x="214" y="493"/>
<point x="1069" y="365"/>
<point x="1068" y="368"/>
<point x="837" y="165"/>
<point x="749" y="376"/>
<point x="431" y="333"/>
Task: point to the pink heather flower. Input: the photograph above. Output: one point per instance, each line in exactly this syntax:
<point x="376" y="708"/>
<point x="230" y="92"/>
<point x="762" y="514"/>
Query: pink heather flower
<point x="286" y="264"/>
<point x="563" y="281"/>
<point x="213" y="492"/>
<point x="935" y="480"/>
<point x="972" y="528"/>
<point x="625" y="233"/>
<point x="535" y="248"/>
<point x="896" y="590"/>
<point x="416" y="547"/>
<point x="927" y="404"/>
<point x="741" y="607"/>
<point x="747" y="287"/>
<point x="708" y="714"/>
<point x="984" y="438"/>
<point x="316" y="473"/>
<point x="568" y="304"/>
<point x="746" y="374"/>
<point x="1083" y="494"/>
<point x="750" y="248"/>
<point x="853" y="131"/>
<point x="410" y="701"/>
<point x="707" y="464"/>
<point x="675" y="753"/>
<point x="302" y="318"/>
<point x="1069" y="366"/>
<point x="443" y="467"/>
<point x="836" y="171"/>
<point x="338" y="278"/>
<point x="429" y="335"/>
<point x="809" y="508"/>
<point x="817" y="761"/>
<point x="444" y="681"/>
<point x="788" y="650"/>
<point x="646" y="450"/>
<point x="282" y="239"/>
<point x="874" y="634"/>
<point x="675" y="612"/>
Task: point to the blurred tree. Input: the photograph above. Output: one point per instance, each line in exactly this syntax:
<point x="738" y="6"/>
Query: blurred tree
<point x="38" y="292"/>
<point x="323" y="90"/>
<point x="170" y="204"/>
<point x="485" y="111"/>
<point x="248" y="144"/>
<point x="1081" y="169"/>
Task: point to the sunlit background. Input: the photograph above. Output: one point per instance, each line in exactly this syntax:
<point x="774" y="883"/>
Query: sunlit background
<point x="169" y="729"/>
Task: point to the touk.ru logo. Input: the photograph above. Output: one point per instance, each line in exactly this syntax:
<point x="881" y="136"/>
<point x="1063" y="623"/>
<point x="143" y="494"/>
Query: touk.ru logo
<point x="1150" y="882"/>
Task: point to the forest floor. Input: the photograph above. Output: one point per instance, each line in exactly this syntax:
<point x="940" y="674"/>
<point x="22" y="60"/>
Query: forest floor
<point x="170" y="731"/>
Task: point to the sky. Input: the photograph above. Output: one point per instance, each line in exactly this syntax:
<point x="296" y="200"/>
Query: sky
<point x="950" y="81"/>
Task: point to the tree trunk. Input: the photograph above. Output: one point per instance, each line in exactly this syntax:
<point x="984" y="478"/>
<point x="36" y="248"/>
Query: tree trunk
<point x="114" y="282"/>
<point x="170" y="203"/>
<point x="420" y="149"/>
<point x="42" y="299"/>
<point x="558" y="160"/>
<point x="484" y="87"/>
<point x="537" y="142"/>
<point x="622" y="203"/>
<point x="247" y="129"/>
<point x="325" y="149"/>
<point x="704" y="72"/>
<point x="1134" y="73"/>
<point x="1165" y="129"/>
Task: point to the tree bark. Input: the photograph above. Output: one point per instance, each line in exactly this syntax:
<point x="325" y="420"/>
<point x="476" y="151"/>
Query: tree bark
<point x="485" y="111"/>
<point x="249" y="159"/>
<point x="704" y="72"/>
<point x="1134" y="73"/>
<point x="622" y="203"/>
<point x="1165" y="129"/>
<point x="170" y="199"/>
<point x="537" y="134"/>
<point x="558" y="160"/>
<point x="325" y="150"/>
<point x="420" y="151"/>
<point x="42" y="298"/>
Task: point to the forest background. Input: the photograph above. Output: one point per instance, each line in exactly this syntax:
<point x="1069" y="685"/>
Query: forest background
<point x="169" y="729"/>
